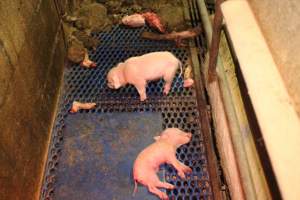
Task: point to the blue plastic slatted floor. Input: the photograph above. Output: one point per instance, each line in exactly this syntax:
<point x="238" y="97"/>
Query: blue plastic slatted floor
<point x="178" y="109"/>
<point x="99" y="152"/>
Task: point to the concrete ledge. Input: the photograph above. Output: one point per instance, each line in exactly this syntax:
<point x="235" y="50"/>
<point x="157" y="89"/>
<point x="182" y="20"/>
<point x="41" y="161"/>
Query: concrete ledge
<point x="276" y="115"/>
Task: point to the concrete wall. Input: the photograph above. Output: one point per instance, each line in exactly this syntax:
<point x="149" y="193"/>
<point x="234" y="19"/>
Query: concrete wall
<point x="280" y="23"/>
<point x="32" y="55"/>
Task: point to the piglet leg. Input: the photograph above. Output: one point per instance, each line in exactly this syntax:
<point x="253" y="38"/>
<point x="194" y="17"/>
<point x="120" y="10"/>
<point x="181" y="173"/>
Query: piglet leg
<point x="167" y="87"/>
<point x="141" y="88"/>
<point x="157" y="192"/>
<point x="87" y="62"/>
<point x="76" y="106"/>
<point x="180" y="167"/>
<point x="168" y="78"/>
<point x="165" y="185"/>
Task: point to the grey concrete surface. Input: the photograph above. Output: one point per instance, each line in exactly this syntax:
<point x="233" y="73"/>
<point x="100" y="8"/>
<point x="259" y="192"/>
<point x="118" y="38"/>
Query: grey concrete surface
<point x="279" y="21"/>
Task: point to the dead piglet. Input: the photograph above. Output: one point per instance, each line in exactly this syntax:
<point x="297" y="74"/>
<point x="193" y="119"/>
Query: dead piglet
<point x="141" y="69"/>
<point x="76" y="106"/>
<point x="163" y="150"/>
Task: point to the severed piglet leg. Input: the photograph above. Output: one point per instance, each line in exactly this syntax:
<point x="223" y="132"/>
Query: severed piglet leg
<point x="87" y="63"/>
<point x="76" y="106"/>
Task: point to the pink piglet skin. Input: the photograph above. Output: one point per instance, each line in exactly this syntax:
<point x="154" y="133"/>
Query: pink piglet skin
<point x="163" y="150"/>
<point x="134" y="21"/>
<point x="141" y="69"/>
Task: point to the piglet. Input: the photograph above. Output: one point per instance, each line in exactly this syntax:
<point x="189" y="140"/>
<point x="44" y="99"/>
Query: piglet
<point x="162" y="151"/>
<point x="141" y="69"/>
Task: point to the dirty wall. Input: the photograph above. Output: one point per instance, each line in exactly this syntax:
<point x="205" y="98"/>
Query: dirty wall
<point x="31" y="62"/>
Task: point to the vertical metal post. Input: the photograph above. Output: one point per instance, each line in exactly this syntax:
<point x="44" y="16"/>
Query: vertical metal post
<point x="214" y="47"/>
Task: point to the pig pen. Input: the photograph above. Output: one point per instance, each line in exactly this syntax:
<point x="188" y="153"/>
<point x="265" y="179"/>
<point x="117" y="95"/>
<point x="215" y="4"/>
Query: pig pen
<point x="91" y="153"/>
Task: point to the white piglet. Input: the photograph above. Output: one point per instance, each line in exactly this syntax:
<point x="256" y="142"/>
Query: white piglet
<point x="141" y="69"/>
<point x="162" y="151"/>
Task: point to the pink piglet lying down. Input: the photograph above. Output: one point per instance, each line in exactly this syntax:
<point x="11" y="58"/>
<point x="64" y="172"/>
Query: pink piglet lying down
<point x="163" y="150"/>
<point x="141" y="69"/>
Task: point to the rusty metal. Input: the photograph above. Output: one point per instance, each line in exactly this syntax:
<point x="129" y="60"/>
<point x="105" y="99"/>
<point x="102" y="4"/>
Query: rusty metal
<point x="179" y="109"/>
<point x="214" y="47"/>
<point x="210" y="6"/>
<point x="203" y="104"/>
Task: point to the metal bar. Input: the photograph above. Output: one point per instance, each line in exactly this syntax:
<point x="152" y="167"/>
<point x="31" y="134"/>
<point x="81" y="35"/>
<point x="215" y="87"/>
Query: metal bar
<point x="214" y="47"/>
<point x="253" y="183"/>
<point x="222" y="123"/>
<point x="207" y="133"/>
<point x="202" y="106"/>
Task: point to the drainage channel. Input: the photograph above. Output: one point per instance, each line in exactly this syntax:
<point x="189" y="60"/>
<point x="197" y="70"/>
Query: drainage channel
<point x="91" y="152"/>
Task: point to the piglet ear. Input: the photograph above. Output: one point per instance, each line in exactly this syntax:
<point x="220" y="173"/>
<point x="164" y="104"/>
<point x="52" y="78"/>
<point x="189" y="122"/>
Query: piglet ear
<point x="156" y="138"/>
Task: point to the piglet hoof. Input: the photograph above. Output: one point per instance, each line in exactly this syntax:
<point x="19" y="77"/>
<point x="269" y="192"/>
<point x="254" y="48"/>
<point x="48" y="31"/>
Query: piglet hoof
<point x="166" y="185"/>
<point x="166" y="89"/>
<point x="181" y="175"/>
<point x="143" y="98"/>
<point x="187" y="169"/>
<point x="93" y="65"/>
<point x="74" y="110"/>
<point x="88" y="64"/>
<point x="170" y="187"/>
<point x="164" y="197"/>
